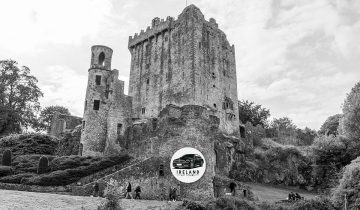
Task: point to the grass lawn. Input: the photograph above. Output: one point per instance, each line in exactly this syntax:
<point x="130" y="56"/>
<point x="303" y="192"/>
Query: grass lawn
<point x="10" y="199"/>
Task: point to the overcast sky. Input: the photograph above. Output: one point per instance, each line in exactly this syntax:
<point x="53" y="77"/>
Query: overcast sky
<point x="297" y="58"/>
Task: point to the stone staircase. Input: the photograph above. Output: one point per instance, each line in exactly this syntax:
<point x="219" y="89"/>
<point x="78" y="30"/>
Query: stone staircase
<point x="86" y="188"/>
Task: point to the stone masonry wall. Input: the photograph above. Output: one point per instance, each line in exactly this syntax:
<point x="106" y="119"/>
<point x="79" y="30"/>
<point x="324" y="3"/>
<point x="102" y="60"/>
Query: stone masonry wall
<point x="181" y="62"/>
<point x="61" y="123"/>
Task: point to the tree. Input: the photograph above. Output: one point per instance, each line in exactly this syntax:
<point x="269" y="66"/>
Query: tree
<point x="306" y="136"/>
<point x="330" y="126"/>
<point x="254" y="113"/>
<point x="351" y="111"/>
<point x="47" y="114"/>
<point x="19" y="97"/>
<point x="283" y="123"/>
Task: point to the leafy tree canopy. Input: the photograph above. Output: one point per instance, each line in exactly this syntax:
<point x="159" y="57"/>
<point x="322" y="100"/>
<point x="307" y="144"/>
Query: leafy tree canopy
<point x="254" y="113"/>
<point x="351" y="111"/>
<point x="19" y="97"/>
<point x="330" y="126"/>
<point x="283" y="123"/>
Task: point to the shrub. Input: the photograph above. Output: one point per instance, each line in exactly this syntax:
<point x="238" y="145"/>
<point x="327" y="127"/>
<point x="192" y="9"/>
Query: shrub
<point x="25" y="144"/>
<point x="83" y="167"/>
<point x="195" y="206"/>
<point x="27" y="163"/>
<point x="16" y="179"/>
<point x="5" y="170"/>
<point x="348" y="184"/>
<point x="230" y="202"/>
<point x="6" y="158"/>
<point x="330" y="154"/>
<point x="69" y="142"/>
<point x="43" y="166"/>
<point x="319" y="203"/>
<point x="113" y="193"/>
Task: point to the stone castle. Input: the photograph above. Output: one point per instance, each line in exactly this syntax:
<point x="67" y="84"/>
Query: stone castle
<point x="182" y="92"/>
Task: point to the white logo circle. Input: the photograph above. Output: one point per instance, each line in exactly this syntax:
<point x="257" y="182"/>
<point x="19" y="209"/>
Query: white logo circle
<point x="188" y="165"/>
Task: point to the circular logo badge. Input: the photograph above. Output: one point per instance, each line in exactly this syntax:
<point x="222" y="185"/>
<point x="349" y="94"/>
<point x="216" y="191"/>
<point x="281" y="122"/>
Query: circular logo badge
<point x="188" y="165"/>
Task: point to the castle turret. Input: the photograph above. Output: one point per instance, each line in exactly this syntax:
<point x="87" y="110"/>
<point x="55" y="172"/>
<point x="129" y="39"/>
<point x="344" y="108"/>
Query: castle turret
<point x="97" y="99"/>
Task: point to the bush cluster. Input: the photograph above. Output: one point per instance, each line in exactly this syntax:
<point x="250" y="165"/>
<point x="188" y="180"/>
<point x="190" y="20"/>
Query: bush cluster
<point x="78" y="167"/>
<point x="32" y="143"/>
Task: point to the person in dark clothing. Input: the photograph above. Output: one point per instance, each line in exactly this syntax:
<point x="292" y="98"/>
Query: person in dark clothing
<point x="137" y="192"/>
<point x="297" y="196"/>
<point x="232" y="187"/>
<point x="96" y="189"/>
<point x="128" y="191"/>
<point x="173" y="194"/>
<point x="170" y="193"/>
<point x="291" y="196"/>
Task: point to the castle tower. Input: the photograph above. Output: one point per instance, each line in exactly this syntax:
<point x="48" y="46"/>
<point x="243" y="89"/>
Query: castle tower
<point x="181" y="62"/>
<point x="93" y="137"/>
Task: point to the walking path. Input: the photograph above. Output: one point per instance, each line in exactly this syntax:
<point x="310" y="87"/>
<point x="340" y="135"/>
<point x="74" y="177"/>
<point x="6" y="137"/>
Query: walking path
<point x="276" y="193"/>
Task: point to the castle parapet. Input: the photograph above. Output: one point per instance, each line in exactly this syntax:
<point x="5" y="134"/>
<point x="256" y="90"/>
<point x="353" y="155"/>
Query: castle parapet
<point x="157" y="27"/>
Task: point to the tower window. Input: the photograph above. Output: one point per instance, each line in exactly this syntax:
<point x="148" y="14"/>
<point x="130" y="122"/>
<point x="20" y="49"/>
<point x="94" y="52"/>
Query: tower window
<point x="107" y="91"/>
<point x="161" y="170"/>
<point x="98" y="80"/>
<point x="101" y="60"/>
<point x="96" y="104"/>
<point x="215" y="105"/>
<point x="147" y="81"/>
<point x="242" y="132"/>
<point x="142" y="110"/>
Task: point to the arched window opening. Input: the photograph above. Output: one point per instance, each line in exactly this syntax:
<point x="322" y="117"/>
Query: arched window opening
<point x="101" y="60"/>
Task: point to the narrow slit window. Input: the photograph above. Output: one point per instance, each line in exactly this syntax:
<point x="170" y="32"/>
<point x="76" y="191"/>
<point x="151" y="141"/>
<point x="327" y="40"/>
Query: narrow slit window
<point x="143" y="110"/>
<point x="147" y="81"/>
<point x="119" y="128"/>
<point x="161" y="170"/>
<point x="96" y="104"/>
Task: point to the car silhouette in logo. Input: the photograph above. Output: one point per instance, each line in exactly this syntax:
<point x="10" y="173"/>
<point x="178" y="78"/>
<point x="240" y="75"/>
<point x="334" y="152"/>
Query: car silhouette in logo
<point x="188" y="161"/>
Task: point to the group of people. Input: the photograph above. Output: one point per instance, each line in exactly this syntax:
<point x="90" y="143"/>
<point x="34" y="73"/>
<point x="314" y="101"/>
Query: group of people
<point x="128" y="193"/>
<point x="294" y="196"/>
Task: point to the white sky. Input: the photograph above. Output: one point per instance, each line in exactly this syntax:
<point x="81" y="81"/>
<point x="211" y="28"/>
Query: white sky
<point x="298" y="58"/>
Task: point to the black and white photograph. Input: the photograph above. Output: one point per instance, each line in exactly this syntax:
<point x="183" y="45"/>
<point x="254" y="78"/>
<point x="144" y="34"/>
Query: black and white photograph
<point x="180" y="104"/>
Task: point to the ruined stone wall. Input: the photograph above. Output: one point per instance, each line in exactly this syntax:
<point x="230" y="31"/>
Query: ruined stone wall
<point x="100" y="126"/>
<point x="184" y="61"/>
<point x="61" y="123"/>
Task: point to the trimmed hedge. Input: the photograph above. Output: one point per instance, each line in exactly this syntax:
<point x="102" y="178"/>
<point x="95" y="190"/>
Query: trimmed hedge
<point x="79" y="167"/>
<point x="5" y="171"/>
<point x="25" y="144"/>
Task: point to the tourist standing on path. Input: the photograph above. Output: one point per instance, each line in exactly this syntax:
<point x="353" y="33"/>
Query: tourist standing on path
<point x="128" y="191"/>
<point x="96" y="189"/>
<point x="137" y="192"/>
<point x="173" y="198"/>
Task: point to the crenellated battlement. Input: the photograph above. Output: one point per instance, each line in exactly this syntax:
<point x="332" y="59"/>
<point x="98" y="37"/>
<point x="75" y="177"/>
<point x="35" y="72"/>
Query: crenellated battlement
<point x="157" y="27"/>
